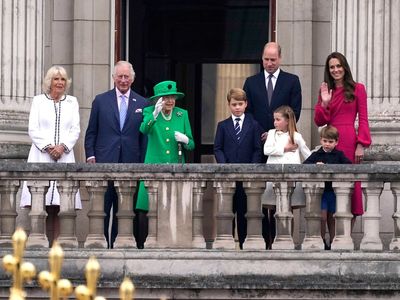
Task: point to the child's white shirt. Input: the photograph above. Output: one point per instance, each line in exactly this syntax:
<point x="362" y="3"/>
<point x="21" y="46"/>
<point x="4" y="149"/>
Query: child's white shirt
<point x="275" y="145"/>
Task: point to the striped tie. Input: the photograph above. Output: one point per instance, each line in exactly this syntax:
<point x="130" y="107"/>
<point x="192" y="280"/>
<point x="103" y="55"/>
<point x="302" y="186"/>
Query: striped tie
<point x="237" y="128"/>
<point x="122" y="112"/>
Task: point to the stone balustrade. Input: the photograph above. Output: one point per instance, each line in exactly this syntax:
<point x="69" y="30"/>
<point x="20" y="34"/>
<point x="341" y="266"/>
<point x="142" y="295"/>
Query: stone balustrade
<point x="176" y="202"/>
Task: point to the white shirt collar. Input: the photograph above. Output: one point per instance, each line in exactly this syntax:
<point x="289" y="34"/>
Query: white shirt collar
<point x="119" y="93"/>
<point x="241" y="118"/>
<point x="275" y="74"/>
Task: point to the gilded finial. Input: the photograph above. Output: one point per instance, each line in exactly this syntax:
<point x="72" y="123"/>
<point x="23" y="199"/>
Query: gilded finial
<point x="58" y="288"/>
<point x="88" y="291"/>
<point x="21" y="271"/>
<point x="126" y="290"/>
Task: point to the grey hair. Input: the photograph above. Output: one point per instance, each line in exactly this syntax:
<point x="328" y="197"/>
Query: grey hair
<point x="51" y="73"/>
<point x="124" y="63"/>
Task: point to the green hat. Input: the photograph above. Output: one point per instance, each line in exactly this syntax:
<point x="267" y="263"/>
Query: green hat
<point x="166" y="88"/>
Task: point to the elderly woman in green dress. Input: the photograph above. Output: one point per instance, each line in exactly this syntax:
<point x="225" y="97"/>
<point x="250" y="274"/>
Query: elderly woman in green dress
<point x="168" y="130"/>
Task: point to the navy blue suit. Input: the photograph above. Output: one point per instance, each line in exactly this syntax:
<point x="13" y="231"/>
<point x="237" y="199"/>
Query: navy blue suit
<point x="109" y="144"/>
<point x="248" y="149"/>
<point x="228" y="149"/>
<point x="287" y="91"/>
<point x="105" y="140"/>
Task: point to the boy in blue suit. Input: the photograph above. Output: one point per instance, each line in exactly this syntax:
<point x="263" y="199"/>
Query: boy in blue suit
<point x="238" y="141"/>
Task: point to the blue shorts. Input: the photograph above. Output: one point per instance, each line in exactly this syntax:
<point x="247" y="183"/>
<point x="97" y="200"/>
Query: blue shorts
<point x="328" y="201"/>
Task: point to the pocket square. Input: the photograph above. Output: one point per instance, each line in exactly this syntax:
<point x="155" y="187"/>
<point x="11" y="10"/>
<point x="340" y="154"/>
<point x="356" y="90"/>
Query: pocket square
<point x="138" y="110"/>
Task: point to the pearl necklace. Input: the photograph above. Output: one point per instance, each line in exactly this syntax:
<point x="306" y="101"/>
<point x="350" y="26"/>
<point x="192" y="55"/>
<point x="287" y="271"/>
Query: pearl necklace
<point x="168" y="117"/>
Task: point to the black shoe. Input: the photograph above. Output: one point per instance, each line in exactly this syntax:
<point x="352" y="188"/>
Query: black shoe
<point x="326" y="246"/>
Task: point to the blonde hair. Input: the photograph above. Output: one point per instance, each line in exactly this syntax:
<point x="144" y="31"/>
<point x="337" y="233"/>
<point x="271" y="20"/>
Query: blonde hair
<point x="53" y="72"/>
<point x="237" y="94"/>
<point x="288" y="113"/>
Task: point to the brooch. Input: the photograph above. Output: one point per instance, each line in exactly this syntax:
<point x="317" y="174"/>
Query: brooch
<point x="179" y="114"/>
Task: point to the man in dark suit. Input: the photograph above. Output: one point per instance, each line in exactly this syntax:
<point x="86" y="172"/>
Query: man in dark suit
<point x="113" y="134"/>
<point x="238" y="141"/>
<point x="265" y="92"/>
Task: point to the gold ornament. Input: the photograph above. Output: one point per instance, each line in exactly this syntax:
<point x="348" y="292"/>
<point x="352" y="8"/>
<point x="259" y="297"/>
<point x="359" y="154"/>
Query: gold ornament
<point x="58" y="288"/>
<point x="21" y="271"/>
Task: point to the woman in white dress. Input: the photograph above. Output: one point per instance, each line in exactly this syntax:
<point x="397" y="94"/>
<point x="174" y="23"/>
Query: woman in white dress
<point x="54" y="129"/>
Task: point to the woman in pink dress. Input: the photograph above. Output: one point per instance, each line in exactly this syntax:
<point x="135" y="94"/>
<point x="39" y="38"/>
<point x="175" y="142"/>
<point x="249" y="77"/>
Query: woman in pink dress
<point x="340" y="101"/>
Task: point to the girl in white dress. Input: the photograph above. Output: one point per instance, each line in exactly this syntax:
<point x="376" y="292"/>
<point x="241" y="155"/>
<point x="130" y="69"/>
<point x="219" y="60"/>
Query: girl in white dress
<point x="54" y="129"/>
<point x="284" y="145"/>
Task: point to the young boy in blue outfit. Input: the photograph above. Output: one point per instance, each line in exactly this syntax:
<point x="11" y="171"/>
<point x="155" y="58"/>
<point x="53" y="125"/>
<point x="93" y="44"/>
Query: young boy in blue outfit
<point x="328" y="154"/>
<point x="238" y="141"/>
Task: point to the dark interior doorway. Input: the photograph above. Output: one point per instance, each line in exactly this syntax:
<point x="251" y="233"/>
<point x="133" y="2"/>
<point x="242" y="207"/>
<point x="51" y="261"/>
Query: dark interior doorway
<point x="180" y="39"/>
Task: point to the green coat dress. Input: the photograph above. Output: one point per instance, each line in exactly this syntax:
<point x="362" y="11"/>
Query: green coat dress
<point x="162" y="146"/>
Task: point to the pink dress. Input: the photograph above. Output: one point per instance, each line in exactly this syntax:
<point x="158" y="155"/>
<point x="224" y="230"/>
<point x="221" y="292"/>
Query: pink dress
<point x="342" y="115"/>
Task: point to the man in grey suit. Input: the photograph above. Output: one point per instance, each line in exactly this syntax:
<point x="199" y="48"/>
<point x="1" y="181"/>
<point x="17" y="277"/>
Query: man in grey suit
<point x="113" y="134"/>
<point x="266" y="91"/>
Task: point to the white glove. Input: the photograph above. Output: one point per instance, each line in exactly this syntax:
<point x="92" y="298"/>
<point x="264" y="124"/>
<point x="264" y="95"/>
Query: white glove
<point x="158" y="108"/>
<point x="181" y="138"/>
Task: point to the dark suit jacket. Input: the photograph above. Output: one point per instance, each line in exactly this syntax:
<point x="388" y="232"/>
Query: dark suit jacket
<point x="333" y="157"/>
<point x="227" y="149"/>
<point x="105" y="140"/>
<point x="287" y="91"/>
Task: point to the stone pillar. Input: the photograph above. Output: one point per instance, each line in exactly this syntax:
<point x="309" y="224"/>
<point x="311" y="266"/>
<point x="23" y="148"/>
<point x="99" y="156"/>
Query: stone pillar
<point x="21" y="44"/>
<point x="254" y="239"/>
<point x="96" y="190"/>
<point x="366" y="32"/>
<point x="312" y="238"/>
<point x="174" y="214"/>
<point x="126" y="191"/>
<point x="395" y="243"/>
<point x="343" y="216"/>
<point x="8" y="191"/>
<point x="224" y="238"/>
<point x="197" y="225"/>
<point x="152" y="190"/>
<point x="283" y="216"/>
<point x="371" y="218"/>
<point x="37" y="236"/>
<point x="67" y="214"/>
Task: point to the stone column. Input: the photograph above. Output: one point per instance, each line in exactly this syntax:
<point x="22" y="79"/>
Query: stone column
<point x="224" y="238"/>
<point x="366" y="32"/>
<point x="283" y="216"/>
<point x="395" y="243"/>
<point x="126" y="191"/>
<point x="174" y="214"/>
<point x="37" y="236"/>
<point x="197" y="227"/>
<point x="96" y="190"/>
<point x="21" y="44"/>
<point x="371" y="218"/>
<point x="152" y="190"/>
<point x="343" y="216"/>
<point x="8" y="191"/>
<point x="254" y="239"/>
<point x="67" y="214"/>
<point x="312" y="238"/>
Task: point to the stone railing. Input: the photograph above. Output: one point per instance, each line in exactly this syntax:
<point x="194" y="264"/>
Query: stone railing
<point x="176" y="207"/>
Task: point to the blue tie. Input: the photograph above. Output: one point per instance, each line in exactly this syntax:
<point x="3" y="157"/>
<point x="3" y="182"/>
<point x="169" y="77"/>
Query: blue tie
<point x="237" y="128"/>
<point x="122" y="112"/>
